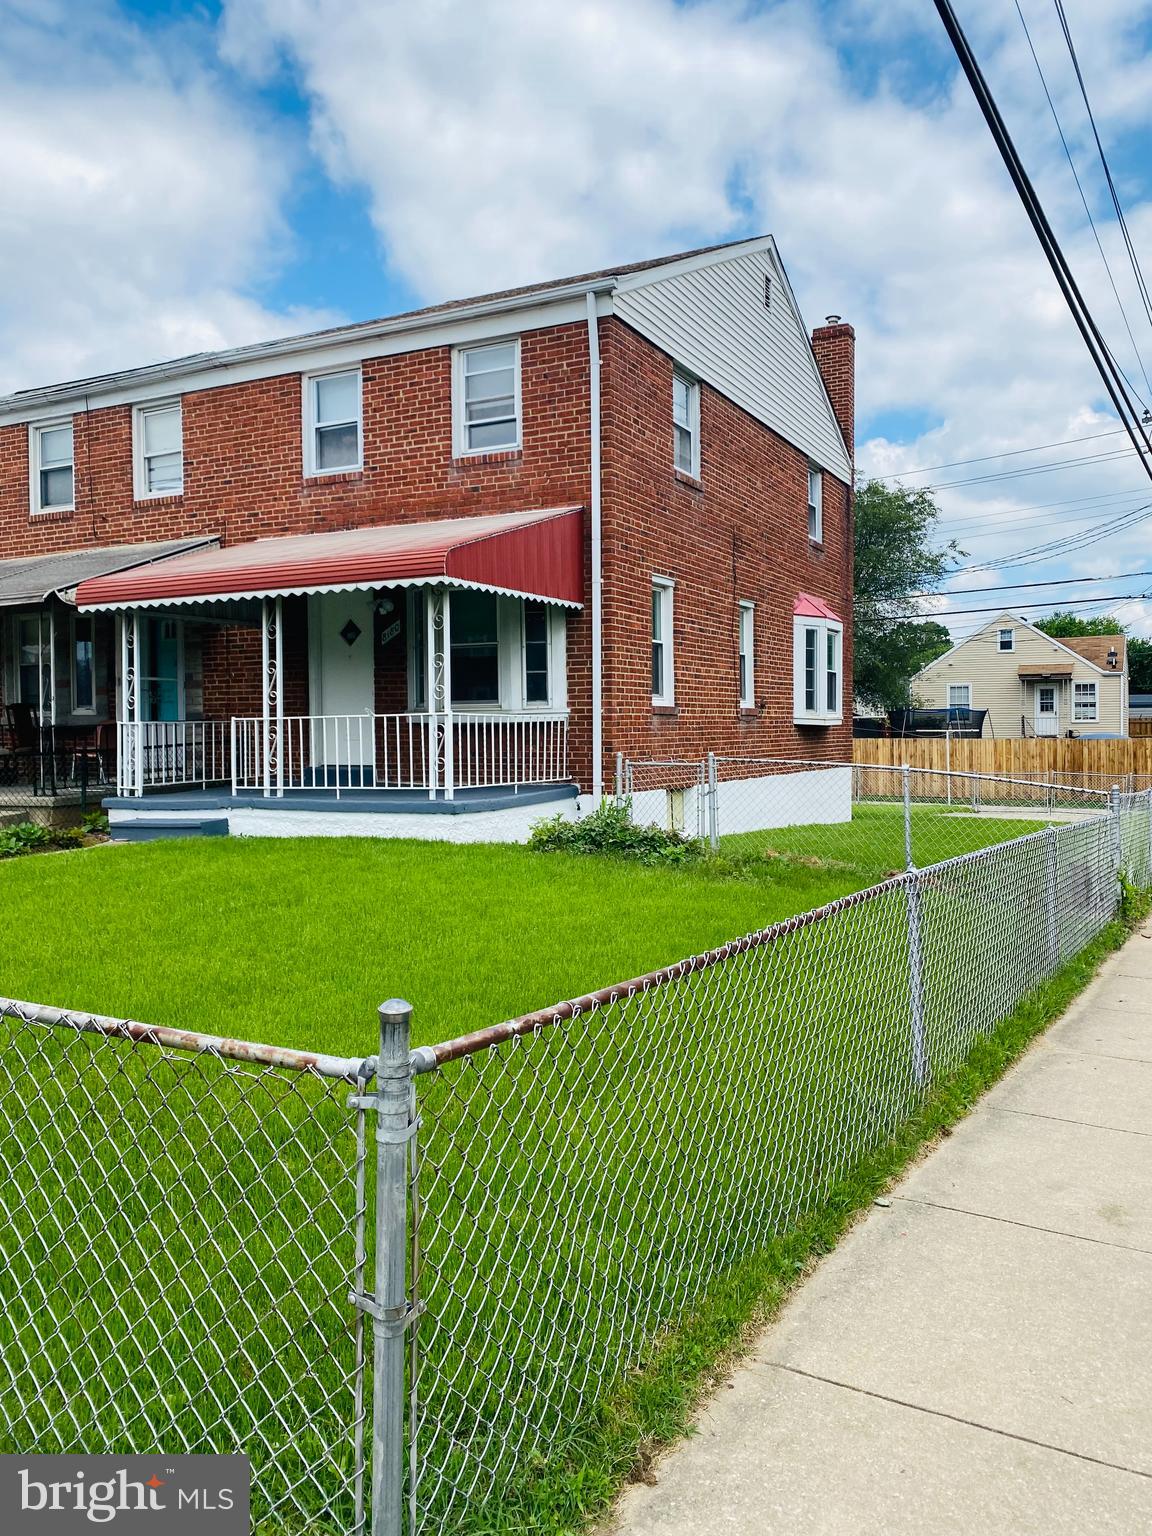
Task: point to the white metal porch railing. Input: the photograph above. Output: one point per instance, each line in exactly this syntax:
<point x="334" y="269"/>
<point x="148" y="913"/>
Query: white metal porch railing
<point x="171" y="753"/>
<point x="400" y="751"/>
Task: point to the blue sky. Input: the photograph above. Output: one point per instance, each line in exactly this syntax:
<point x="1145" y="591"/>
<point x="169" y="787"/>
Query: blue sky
<point x="183" y="176"/>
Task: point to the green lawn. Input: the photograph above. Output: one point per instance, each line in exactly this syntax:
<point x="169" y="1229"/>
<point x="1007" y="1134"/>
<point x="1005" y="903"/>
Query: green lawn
<point x="295" y="942"/>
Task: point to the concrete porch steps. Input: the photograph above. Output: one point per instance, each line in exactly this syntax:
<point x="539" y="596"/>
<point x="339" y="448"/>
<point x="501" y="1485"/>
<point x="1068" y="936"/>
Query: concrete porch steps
<point x="152" y="828"/>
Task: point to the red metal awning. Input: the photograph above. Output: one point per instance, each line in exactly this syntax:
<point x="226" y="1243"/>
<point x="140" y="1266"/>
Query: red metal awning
<point x="808" y="607"/>
<point x="536" y="554"/>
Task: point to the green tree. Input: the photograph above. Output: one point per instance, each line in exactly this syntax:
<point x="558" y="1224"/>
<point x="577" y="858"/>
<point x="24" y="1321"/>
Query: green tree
<point x="898" y="553"/>
<point x="1062" y="625"/>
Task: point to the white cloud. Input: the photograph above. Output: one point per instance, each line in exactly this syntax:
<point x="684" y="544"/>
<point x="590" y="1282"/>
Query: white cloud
<point x="138" y="204"/>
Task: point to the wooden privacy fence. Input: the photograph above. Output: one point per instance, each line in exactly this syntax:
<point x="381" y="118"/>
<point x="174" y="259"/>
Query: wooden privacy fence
<point x="1053" y="760"/>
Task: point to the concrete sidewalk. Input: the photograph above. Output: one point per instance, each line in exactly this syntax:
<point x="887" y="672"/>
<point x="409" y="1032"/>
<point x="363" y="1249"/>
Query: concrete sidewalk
<point x="978" y="1355"/>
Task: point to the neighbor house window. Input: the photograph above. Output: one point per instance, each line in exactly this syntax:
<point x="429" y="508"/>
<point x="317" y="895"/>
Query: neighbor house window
<point x="51" y="456"/>
<point x="332" y="422"/>
<point x="1084" y="702"/>
<point x="475" y="648"/>
<point x="747" y="666"/>
<point x="818" y="671"/>
<point x="29" y="672"/>
<point x="159" y="447"/>
<point x="487" y="398"/>
<point x="686" y="424"/>
<point x="1006" y="639"/>
<point x="663" y="684"/>
<point x="83" y="665"/>
<point x="815" y="505"/>
<point x="536" y="667"/>
<point x="959" y="695"/>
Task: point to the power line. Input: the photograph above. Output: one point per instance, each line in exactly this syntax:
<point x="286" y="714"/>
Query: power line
<point x="1020" y="586"/>
<point x="1137" y="271"/>
<point x="986" y="527"/>
<point x="1084" y="200"/>
<point x="1055" y="547"/>
<point x="1043" y="506"/>
<point x="1034" y="469"/>
<point x="1114" y="384"/>
<point x="1008" y="453"/>
<point x="1072" y="602"/>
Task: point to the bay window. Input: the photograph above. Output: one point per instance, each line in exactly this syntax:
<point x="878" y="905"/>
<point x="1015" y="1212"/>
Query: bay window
<point x="818" y="671"/>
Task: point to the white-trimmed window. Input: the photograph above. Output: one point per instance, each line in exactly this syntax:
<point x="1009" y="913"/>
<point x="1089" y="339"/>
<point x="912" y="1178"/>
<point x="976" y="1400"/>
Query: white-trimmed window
<point x="50" y="454"/>
<point x="747" y="656"/>
<point x="818" y="671"/>
<point x="959" y="695"/>
<point x="663" y="679"/>
<point x="83" y="664"/>
<point x="486" y="396"/>
<point x="332" y="422"/>
<point x="536" y="648"/>
<point x="158" y="440"/>
<point x="1084" y="701"/>
<point x="686" y="424"/>
<point x="508" y="653"/>
<point x="1006" y="639"/>
<point x="815" y="504"/>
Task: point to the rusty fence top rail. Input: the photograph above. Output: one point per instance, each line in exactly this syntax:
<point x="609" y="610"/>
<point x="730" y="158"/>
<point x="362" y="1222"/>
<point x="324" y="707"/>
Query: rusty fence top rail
<point x="346" y="1068"/>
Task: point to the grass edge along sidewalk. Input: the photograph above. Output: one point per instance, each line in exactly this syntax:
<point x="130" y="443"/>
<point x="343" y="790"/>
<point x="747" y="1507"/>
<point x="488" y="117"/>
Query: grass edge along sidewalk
<point x="656" y="1404"/>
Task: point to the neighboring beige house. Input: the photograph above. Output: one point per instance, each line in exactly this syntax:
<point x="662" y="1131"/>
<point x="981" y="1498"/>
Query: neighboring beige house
<point x="1030" y="684"/>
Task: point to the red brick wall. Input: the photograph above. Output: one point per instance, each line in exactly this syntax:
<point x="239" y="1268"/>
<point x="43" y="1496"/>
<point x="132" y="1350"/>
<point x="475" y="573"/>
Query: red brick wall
<point x="740" y="533"/>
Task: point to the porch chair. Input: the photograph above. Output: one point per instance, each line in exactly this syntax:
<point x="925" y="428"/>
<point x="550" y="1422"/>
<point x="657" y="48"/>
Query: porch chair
<point x="97" y="750"/>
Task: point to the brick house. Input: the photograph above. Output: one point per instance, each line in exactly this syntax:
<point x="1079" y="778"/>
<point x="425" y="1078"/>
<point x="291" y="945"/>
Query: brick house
<point x="441" y="560"/>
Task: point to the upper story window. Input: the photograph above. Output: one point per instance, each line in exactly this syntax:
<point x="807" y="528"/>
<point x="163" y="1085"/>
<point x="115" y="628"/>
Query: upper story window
<point x="332" y="422"/>
<point x="663" y="682"/>
<point x="818" y="671"/>
<point x="159" y="447"/>
<point x="747" y="664"/>
<point x="1006" y="639"/>
<point x="959" y="695"/>
<point x="487" y="398"/>
<point x="815" y="504"/>
<point x="51" y="465"/>
<point x="686" y="424"/>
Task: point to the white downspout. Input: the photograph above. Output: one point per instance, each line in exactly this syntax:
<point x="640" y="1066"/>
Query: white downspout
<point x="597" y="578"/>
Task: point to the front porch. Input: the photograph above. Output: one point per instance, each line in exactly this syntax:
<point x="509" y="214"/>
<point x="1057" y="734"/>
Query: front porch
<point x="375" y="697"/>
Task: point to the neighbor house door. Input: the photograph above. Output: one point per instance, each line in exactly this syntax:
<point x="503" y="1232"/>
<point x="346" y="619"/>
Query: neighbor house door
<point x="1047" y="717"/>
<point x="343" y="738"/>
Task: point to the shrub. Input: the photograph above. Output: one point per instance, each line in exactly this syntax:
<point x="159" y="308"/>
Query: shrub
<point x="24" y="837"/>
<point x="609" y="829"/>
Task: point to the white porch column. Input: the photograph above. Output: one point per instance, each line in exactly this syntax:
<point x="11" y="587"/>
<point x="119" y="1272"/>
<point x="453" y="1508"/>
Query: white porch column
<point x="431" y="609"/>
<point x="272" y="658"/>
<point x="52" y="671"/>
<point x="446" y="701"/>
<point x="134" y="694"/>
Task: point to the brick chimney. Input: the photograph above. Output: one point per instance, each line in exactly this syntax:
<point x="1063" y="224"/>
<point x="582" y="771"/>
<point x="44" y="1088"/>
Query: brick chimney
<point x="834" y="344"/>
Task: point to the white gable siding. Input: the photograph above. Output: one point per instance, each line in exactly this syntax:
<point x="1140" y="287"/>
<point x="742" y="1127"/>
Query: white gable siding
<point x="713" y="320"/>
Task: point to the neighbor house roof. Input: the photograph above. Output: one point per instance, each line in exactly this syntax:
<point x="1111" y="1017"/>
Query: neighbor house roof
<point x="1095" y="648"/>
<point x="537" y="554"/>
<point x="32" y="581"/>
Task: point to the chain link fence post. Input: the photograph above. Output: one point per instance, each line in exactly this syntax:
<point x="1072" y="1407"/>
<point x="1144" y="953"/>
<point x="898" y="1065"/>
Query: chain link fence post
<point x="619" y="778"/>
<point x="1052" y="894"/>
<point x="1117" y="830"/>
<point x="1148" y="845"/>
<point x="906" y="789"/>
<point x="921" y="1071"/>
<point x="388" y="1307"/>
<point x="713" y="805"/>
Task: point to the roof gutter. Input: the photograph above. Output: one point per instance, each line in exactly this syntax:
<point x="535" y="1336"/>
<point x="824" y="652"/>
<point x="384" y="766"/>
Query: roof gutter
<point x="288" y="346"/>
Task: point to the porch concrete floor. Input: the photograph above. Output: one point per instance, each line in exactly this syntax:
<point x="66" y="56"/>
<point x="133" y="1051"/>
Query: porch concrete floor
<point x="414" y="802"/>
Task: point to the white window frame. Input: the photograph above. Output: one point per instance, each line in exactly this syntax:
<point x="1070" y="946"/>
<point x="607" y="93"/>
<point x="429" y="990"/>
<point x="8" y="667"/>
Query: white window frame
<point x="746" y="654"/>
<point x="967" y="704"/>
<point x="663" y="588"/>
<point x="512" y="659"/>
<point x="140" y="459"/>
<point x="824" y="630"/>
<point x="691" y="426"/>
<point x="89" y="619"/>
<point x="311" y="425"/>
<point x="815" y="505"/>
<point x="460" y="448"/>
<point x="1000" y="646"/>
<point x="36" y="430"/>
<point x="1077" y="717"/>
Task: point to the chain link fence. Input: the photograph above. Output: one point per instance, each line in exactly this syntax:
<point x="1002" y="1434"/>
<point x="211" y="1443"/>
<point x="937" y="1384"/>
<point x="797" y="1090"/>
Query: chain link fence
<point x="200" y="1238"/>
<point x="48" y="787"/>
<point x="866" y="821"/>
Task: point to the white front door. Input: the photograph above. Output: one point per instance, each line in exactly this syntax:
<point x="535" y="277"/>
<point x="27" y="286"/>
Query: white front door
<point x="343" y="738"/>
<point x="1047" y="710"/>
